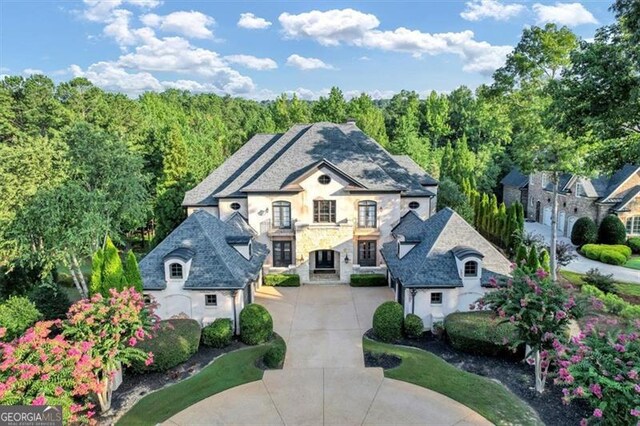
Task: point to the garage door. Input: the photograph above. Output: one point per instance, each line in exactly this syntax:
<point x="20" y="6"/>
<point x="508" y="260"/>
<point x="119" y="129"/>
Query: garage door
<point x="546" y="217"/>
<point x="562" y="216"/>
<point x="570" y="223"/>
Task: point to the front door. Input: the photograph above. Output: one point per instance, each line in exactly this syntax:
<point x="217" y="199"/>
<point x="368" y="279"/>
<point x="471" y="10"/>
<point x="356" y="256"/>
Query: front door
<point x="324" y="259"/>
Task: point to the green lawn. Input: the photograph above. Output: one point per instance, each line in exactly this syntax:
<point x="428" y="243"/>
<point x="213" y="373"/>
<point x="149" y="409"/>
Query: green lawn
<point x="630" y="289"/>
<point x="230" y="370"/>
<point x="492" y="400"/>
<point x="633" y="262"/>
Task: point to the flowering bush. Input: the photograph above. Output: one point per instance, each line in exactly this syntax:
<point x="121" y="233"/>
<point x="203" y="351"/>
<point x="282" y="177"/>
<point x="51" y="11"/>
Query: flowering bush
<point x="39" y="369"/>
<point x="114" y="326"/>
<point x="540" y="311"/>
<point x="604" y="370"/>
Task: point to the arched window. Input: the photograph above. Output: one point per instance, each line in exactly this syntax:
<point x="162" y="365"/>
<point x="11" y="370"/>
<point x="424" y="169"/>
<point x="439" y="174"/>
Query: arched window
<point x="633" y="225"/>
<point x="235" y="206"/>
<point x="282" y="214"/>
<point x="367" y="214"/>
<point x="471" y="269"/>
<point x="414" y="205"/>
<point x="175" y="271"/>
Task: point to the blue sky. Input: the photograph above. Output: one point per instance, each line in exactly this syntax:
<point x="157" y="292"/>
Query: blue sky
<point x="260" y="49"/>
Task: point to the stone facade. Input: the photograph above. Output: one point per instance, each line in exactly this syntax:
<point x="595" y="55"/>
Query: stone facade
<point x="512" y="194"/>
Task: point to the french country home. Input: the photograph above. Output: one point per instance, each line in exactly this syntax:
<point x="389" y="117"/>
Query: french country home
<point x="323" y="201"/>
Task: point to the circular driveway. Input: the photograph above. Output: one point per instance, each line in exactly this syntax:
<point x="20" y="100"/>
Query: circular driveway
<point x="324" y="381"/>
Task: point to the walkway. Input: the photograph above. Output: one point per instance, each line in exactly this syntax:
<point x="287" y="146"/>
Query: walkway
<point x="324" y="381"/>
<point x="581" y="264"/>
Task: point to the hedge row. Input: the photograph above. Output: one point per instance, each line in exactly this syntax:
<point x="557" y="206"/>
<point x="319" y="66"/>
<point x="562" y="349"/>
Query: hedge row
<point x="368" y="280"/>
<point x="613" y="303"/>
<point x="282" y="280"/>
<point x="479" y="333"/>
<point x="175" y="341"/>
<point x="218" y="334"/>
<point x="613" y="254"/>
<point x="634" y="244"/>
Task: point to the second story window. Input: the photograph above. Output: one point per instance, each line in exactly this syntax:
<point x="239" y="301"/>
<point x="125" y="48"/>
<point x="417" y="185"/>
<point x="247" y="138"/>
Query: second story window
<point x="471" y="269"/>
<point x="282" y="214"/>
<point x="175" y="271"/>
<point x="367" y="214"/>
<point x="324" y="211"/>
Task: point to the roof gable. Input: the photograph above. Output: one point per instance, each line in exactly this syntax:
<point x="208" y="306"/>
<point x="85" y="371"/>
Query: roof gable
<point x="515" y="178"/>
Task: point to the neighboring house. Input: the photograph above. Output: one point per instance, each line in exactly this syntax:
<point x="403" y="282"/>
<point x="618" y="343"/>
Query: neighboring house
<point x="515" y="187"/>
<point x="580" y="197"/>
<point x="322" y="197"/>
<point x="205" y="269"/>
<point x="440" y="265"/>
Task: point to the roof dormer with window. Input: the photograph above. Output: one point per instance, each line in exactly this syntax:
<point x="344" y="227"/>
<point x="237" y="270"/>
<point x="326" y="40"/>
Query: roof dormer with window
<point x="469" y="262"/>
<point x="177" y="265"/>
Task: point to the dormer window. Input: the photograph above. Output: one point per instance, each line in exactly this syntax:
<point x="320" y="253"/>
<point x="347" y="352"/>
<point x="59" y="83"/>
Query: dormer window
<point x="414" y="205"/>
<point x="175" y="271"/>
<point x="235" y="206"/>
<point x="471" y="269"/>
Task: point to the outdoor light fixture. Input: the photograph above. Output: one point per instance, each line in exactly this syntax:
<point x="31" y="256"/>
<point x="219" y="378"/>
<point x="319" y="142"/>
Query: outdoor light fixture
<point x="301" y="258"/>
<point x="346" y="259"/>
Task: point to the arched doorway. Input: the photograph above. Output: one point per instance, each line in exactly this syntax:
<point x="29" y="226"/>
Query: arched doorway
<point x="324" y="264"/>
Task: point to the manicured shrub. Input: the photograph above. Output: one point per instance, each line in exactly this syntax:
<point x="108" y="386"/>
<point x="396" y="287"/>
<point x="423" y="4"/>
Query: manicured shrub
<point x="599" y="280"/>
<point x="218" y="334"/>
<point x="634" y="244"/>
<point x="521" y="255"/>
<point x="50" y="300"/>
<point x="281" y="280"/>
<point x="612" y="303"/>
<point x="388" y="321"/>
<point x="612" y="231"/>
<point x="584" y="231"/>
<point x="533" y="262"/>
<point x="274" y="357"/>
<point x="175" y="341"/>
<point x="256" y="324"/>
<point x="621" y="253"/>
<point x="480" y="333"/>
<point x="17" y="314"/>
<point x="368" y="280"/>
<point x="612" y="257"/>
<point x="413" y="326"/>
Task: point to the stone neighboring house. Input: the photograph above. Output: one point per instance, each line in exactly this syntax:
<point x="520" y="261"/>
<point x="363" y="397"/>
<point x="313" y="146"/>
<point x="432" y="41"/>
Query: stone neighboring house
<point x="205" y="269"/>
<point x="515" y="187"/>
<point x="580" y="197"/>
<point x="321" y="197"/>
<point x="440" y="265"/>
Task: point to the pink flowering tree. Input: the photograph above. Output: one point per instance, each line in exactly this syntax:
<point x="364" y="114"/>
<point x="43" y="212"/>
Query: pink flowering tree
<point x="43" y="368"/>
<point x="604" y="369"/>
<point x="113" y="326"/>
<point x="540" y="310"/>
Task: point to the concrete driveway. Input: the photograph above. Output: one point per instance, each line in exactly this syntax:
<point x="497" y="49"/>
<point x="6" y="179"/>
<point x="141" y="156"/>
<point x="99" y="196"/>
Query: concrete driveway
<point x="581" y="264"/>
<point x="324" y="381"/>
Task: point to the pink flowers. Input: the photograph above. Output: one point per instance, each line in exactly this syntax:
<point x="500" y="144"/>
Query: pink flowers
<point x="149" y="359"/>
<point x="597" y="413"/>
<point x="596" y="390"/>
<point x="39" y="400"/>
<point x="132" y="341"/>
<point x="560" y="315"/>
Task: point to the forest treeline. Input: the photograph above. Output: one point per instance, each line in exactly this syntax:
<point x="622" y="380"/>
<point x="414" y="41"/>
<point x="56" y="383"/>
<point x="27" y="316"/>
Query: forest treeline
<point x="78" y="163"/>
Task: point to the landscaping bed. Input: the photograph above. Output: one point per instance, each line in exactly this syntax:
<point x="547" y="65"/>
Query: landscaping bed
<point x="382" y="360"/>
<point x="515" y="375"/>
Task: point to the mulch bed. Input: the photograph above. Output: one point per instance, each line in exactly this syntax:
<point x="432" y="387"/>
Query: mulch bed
<point x="517" y="376"/>
<point x="135" y="386"/>
<point x="384" y="361"/>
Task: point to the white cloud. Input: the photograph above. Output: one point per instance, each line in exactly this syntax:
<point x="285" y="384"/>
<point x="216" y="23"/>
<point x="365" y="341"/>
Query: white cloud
<point x="570" y="14"/>
<point x="328" y="28"/>
<point x="364" y="58"/>
<point x="252" y="62"/>
<point x="32" y="71"/>
<point x="111" y="76"/>
<point x="252" y="22"/>
<point x="101" y="10"/>
<point x="481" y="9"/>
<point x="191" y="24"/>
<point x="348" y="26"/>
<point x="306" y="64"/>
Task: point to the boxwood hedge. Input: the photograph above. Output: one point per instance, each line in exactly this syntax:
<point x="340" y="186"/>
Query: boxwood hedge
<point x="614" y="254"/>
<point x="480" y="333"/>
<point x="219" y="333"/>
<point x="387" y="322"/>
<point x="256" y="324"/>
<point x="175" y="341"/>
<point x="281" y="280"/>
<point x="368" y="280"/>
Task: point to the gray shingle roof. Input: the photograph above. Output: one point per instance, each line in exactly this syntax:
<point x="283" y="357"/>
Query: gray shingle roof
<point x="414" y="169"/>
<point x="410" y="226"/>
<point x="214" y="263"/>
<point x="628" y="196"/>
<point x="240" y="223"/>
<point x="618" y="179"/>
<point x="431" y="263"/>
<point x="515" y="178"/>
<point x="271" y="162"/>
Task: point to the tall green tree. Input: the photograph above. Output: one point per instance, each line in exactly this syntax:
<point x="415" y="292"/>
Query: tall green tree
<point x="132" y="276"/>
<point x="369" y="118"/>
<point x="332" y="108"/>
